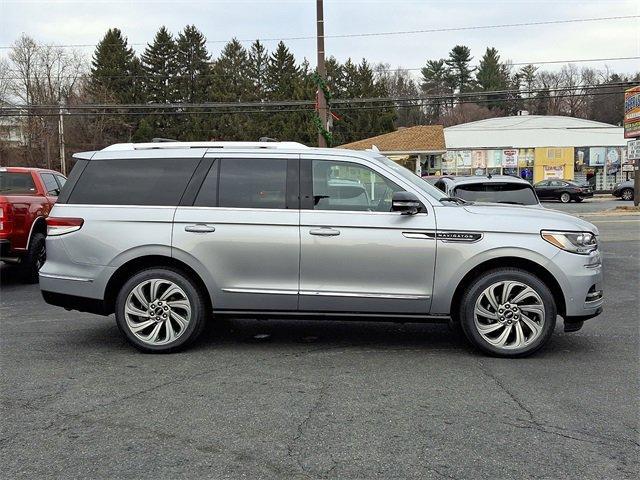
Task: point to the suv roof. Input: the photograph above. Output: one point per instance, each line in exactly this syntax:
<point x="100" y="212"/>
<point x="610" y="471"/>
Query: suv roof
<point x="167" y="145"/>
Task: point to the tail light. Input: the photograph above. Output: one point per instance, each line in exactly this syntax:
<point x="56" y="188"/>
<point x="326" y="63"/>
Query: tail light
<point x="5" y="221"/>
<point x="63" y="225"/>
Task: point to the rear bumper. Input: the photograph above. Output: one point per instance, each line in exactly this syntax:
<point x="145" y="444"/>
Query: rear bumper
<point x="73" y="302"/>
<point x="5" y="247"/>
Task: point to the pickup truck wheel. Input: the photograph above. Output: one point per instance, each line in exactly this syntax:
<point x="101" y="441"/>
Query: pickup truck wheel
<point x="160" y="310"/>
<point x="565" y="197"/>
<point x="508" y="312"/>
<point x="626" y="194"/>
<point x="35" y="258"/>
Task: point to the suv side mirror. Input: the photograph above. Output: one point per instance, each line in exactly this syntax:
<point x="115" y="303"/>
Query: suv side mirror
<point x="406" y="203"/>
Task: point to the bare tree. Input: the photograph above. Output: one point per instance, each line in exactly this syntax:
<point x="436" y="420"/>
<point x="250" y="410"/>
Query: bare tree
<point x="41" y="80"/>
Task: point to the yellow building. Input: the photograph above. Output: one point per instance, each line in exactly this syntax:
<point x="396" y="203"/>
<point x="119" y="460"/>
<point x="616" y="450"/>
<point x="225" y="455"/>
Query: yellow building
<point x="553" y="162"/>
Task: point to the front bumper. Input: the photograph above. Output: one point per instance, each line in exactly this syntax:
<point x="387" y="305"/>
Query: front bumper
<point x="580" y="278"/>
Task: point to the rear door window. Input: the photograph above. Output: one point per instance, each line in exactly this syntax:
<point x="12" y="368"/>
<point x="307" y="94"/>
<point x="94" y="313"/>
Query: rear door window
<point x="16" y="183"/>
<point x="139" y="181"/>
<point x="250" y="183"/>
<point x="513" y="193"/>
<point x="50" y="184"/>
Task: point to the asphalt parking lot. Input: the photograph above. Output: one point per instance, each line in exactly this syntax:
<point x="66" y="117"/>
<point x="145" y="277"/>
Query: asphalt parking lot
<point x="297" y="399"/>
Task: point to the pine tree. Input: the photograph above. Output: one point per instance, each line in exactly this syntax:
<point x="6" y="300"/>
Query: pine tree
<point x="112" y="68"/>
<point x="436" y="81"/>
<point x="230" y="83"/>
<point x="257" y="70"/>
<point x="284" y="82"/>
<point x="492" y="76"/>
<point x="192" y="65"/>
<point x="160" y="73"/>
<point x="160" y="67"/>
<point x="461" y="73"/>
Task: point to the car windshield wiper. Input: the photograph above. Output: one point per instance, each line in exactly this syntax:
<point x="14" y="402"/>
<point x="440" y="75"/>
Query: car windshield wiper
<point x="458" y="200"/>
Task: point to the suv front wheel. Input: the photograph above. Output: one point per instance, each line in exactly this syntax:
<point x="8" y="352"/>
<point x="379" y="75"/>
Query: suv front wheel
<point x="508" y="312"/>
<point x="160" y="310"/>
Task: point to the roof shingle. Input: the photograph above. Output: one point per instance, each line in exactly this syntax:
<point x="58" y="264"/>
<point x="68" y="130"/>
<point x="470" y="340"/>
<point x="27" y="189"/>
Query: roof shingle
<point x="421" y="138"/>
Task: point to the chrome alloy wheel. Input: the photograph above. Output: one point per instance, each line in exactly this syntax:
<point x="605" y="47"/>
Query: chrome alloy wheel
<point x="157" y="311"/>
<point x="509" y="315"/>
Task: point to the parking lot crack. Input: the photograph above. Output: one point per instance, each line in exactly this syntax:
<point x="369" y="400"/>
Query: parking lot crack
<point x="302" y="426"/>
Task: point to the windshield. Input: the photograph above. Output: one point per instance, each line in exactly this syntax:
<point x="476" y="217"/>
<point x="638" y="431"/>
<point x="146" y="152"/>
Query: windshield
<point x="16" y="183"/>
<point x="514" y="193"/>
<point x="415" y="180"/>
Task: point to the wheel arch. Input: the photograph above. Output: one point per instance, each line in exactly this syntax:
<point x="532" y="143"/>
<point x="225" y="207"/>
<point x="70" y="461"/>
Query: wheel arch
<point x="39" y="225"/>
<point x="131" y="267"/>
<point x="514" y="262"/>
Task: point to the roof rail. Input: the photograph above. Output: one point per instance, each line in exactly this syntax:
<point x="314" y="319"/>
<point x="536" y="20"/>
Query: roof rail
<point x="170" y="144"/>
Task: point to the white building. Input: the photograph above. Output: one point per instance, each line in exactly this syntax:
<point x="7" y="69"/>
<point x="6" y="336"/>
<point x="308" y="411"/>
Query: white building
<point x="538" y="147"/>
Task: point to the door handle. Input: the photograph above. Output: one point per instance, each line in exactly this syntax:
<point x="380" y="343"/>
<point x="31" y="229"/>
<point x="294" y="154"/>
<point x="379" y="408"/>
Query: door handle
<point x="324" y="232"/>
<point x="200" y="228"/>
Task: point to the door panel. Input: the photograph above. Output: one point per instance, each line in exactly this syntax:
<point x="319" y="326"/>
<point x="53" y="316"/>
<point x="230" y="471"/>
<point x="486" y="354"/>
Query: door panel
<point x="253" y="256"/>
<point x="356" y="255"/>
<point x="379" y="262"/>
<point x="245" y="231"/>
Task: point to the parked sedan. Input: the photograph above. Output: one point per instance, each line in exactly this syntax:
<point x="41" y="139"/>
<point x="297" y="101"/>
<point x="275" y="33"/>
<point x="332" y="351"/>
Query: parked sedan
<point x="489" y="189"/>
<point x="562" y="190"/>
<point x="624" y="190"/>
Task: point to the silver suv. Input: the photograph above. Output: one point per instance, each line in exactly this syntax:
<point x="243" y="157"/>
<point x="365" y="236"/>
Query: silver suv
<point x="169" y="235"/>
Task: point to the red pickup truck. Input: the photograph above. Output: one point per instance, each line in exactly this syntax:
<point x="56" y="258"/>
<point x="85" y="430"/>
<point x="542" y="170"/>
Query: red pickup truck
<point x="26" y="197"/>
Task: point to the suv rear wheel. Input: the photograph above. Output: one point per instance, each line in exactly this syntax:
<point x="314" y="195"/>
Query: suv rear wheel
<point x="160" y="310"/>
<point x="508" y="312"/>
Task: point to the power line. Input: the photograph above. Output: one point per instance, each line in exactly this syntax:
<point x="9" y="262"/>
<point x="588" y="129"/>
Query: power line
<point x="303" y="108"/>
<point x="376" y="70"/>
<point x="585" y="90"/>
<point x="379" y="34"/>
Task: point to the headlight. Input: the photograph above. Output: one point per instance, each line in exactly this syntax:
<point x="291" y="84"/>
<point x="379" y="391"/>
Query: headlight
<point x="582" y="243"/>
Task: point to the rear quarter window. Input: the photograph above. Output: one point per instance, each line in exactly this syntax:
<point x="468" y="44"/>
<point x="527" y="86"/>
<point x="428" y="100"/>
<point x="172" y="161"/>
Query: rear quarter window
<point x="17" y="183"/>
<point x="148" y="181"/>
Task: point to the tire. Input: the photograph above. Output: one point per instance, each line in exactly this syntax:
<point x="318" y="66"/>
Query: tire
<point x="540" y="313"/>
<point x="170" y="320"/>
<point x="34" y="259"/>
<point x="565" y="197"/>
<point x="578" y="199"/>
<point x="626" y="194"/>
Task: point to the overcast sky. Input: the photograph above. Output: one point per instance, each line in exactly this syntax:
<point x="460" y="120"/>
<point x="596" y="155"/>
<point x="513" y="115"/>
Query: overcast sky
<point x="84" y="22"/>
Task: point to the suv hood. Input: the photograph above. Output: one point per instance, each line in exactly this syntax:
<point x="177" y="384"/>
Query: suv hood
<point x="523" y="219"/>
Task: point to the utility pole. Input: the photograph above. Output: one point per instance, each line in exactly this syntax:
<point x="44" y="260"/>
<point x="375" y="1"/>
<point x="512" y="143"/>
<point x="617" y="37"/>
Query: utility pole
<point x="322" y="71"/>
<point x="63" y="161"/>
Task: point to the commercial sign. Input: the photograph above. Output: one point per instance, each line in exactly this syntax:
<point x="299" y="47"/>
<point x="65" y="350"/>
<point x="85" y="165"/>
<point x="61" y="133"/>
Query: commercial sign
<point x="632" y="112"/>
<point x="479" y="159"/>
<point x="633" y="150"/>
<point x="581" y="158"/>
<point x="510" y="158"/>
<point x="597" y="156"/>
<point x="551" y="172"/>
